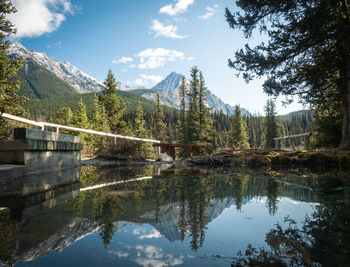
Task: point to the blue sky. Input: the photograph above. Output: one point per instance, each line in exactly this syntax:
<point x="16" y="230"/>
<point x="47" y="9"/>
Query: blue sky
<point x="142" y="41"/>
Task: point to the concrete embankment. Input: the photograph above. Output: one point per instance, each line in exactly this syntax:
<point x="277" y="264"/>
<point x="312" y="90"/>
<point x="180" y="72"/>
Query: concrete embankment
<point x="34" y="150"/>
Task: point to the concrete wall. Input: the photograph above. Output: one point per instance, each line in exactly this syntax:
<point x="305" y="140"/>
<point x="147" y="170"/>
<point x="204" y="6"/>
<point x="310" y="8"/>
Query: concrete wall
<point x="40" y="150"/>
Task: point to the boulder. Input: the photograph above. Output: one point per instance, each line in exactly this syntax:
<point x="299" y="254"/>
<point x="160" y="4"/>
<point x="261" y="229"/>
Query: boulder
<point x="164" y="157"/>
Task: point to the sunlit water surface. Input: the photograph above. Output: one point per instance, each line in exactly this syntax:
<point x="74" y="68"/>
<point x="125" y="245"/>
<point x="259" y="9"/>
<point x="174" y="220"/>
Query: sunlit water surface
<point x="158" y="215"/>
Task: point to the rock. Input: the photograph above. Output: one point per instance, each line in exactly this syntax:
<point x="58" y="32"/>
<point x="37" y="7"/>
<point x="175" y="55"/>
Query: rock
<point x="164" y="157"/>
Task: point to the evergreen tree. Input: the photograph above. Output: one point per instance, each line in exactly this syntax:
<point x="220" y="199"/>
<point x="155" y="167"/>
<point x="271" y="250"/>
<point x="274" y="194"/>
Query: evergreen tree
<point x="64" y="116"/>
<point x="271" y="124"/>
<point x="113" y="104"/>
<point x="99" y="122"/>
<point x="160" y="125"/>
<point x="182" y="125"/>
<point x="206" y="136"/>
<point x="307" y="54"/>
<point x="10" y="101"/>
<point x="80" y="120"/>
<point x="193" y="123"/>
<point x="99" y="119"/>
<point x="145" y="149"/>
<point x="238" y="135"/>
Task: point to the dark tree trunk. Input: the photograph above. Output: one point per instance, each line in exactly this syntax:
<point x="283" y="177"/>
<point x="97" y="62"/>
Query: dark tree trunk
<point x="345" y="141"/>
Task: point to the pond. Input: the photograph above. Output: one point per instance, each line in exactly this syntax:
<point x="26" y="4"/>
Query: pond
<point x="161" y="215"/>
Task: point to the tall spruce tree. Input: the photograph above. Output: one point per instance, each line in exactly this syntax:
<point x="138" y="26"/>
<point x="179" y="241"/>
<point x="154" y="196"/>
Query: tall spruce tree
<point x="238" y="133"/>
<point x="307" y="52"/>
<point x="140" y="130"/>
<point x="160" y="125"/>
<point x="206" y="135"/>
<point x="10" y="101"/>
<point x="182" y="124"/>
<point x="99" y="122"/>
<point x="64" y="116"/>
<point x="113" y="105"/>
<point x="271" y="123"/>
<point x="80" y="120"/>
<point x="193" y="108"/>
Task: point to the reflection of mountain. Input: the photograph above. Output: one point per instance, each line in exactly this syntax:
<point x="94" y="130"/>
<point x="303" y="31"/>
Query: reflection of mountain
<point x="177" y="202"/>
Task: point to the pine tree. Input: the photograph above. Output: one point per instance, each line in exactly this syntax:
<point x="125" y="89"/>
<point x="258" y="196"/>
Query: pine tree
<point x="145" y="149"/>
<point x="206" y="136"/>
<point x="64" y="116"/>
<point x="182" y="125"/>
<point x="99" y="119"/>
<point x="10" y="101"/>
<point x="307" y="52"/>
<point x="271" y="124"/>
<point x="99" y="122"/>
<point x="193" y="108"/>
<point x="160" y="125"/>
<point x="80" y="120"/>
<point x="113" y="104"/>
<point x="238" y="135"/>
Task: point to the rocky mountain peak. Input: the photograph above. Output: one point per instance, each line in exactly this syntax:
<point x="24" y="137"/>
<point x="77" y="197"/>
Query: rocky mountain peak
<point x="80" y="81"/>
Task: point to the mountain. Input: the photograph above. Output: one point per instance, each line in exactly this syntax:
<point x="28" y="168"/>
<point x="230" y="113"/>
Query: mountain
<point x="36" y="82"/>
<point x="44" y="77"/>
<point x="171" y="82"/>
<point x="169" y="95"/>
<point x="80" y="81"/>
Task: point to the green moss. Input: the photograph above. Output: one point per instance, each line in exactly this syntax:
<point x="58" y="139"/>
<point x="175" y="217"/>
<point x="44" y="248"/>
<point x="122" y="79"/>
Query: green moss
<point x="259" y="160"/>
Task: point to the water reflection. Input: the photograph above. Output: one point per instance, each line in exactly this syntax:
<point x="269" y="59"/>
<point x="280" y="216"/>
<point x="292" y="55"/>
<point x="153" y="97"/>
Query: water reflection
<point x="168" y="218"/>
<point x="322" y="239"/>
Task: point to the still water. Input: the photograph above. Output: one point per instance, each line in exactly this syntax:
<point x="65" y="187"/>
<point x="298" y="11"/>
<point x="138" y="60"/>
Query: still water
<point x="160" y="215"/>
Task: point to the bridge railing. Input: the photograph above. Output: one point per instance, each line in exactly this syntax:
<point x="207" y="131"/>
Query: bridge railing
<point x="305" y="135"/>
<point x="43" y="124"/>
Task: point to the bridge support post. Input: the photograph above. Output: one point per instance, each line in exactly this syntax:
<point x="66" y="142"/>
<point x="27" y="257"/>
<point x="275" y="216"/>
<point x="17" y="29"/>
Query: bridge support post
<point x="278" y="144"/>
<point x="307" y="142"/>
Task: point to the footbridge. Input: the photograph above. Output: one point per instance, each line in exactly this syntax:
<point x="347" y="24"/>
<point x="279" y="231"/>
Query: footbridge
<point x="40" y="149"/>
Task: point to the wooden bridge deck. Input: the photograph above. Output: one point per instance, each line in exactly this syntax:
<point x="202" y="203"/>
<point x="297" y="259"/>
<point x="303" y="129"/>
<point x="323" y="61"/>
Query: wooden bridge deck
<point x="192" y="149"/>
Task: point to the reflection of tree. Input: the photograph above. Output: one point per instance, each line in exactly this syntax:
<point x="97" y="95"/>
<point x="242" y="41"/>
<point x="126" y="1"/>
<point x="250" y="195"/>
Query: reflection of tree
<point x="198" y="197"/>
<point x="110" y="209"/>
<point x="7" y="234"/>
<point x="240" y="189"/>
<point x="323" y="238"/>
<point x="182" y="222"/>
<point x="272" y="191"/>
<point x="160" y="187"/>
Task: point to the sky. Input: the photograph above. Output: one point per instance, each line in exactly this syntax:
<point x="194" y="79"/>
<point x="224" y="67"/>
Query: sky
<point x="142" y="41"/>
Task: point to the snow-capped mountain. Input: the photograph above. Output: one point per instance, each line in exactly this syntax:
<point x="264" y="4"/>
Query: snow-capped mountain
<point x="64" y="70"/>
<point x="83" y="83"/>
<point x="171" y="82"/>
<point x="169" y="95"/>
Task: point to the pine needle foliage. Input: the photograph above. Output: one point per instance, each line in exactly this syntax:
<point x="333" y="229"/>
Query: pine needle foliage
<point x="10" y="101"/>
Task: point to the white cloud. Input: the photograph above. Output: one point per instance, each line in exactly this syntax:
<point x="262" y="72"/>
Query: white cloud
<point x="119" y="254"/>
<point x="153" y="256"/>
<point x="153" y="234"/>
<point x="153" y="58"/>
<point x="210" y="12"/>
<point x="191" y="58"/>
<point x="122" y="60"/>
<point x="154" y="79"/>
<point x="180" y="7"/>
<point x="146" y="80"/>
<point x="167" y="31"/>
<point x="37" y="17"/>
